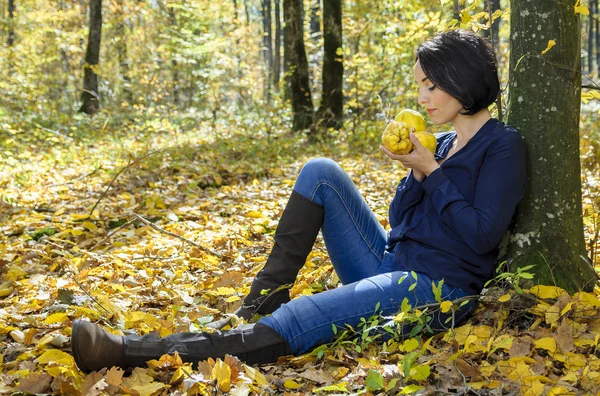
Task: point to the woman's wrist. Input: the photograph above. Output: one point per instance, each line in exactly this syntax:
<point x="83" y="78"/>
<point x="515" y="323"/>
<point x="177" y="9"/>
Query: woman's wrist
<point x="431" y="170"/>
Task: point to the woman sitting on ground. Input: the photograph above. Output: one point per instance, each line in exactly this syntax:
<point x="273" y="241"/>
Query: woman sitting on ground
<point x="447" y="219"/>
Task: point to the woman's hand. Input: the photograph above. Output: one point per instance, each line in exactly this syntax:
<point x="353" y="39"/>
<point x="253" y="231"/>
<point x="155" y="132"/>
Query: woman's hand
<point x="420" y="159"/>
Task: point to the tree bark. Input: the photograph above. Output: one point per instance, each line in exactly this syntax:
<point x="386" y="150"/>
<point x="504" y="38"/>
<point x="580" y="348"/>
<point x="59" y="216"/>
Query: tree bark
<point x="267" y="48"/>
<point x="90" y="95"/>
<point x="590" y="57"/>
<point x="10" y="41"/>
<point x="173" y="24"/>
<point x="544" y="105"/>
<point x="277" y="60"/>
<point x="330" y="112"/>
<point x="315" y="21"/>
<point x="456" y="10"/>
<point x="297" y="64"/>
<point x="597" y="31"/>
<point x="247" y="12"/>
<point x="492" y="33"/>
<point x="122" y="53"/>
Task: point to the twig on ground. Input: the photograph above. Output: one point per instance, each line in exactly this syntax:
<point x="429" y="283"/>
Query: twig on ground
<point x="88" y="293"/>
<point x="111" y="234"/>
<point x="74" y="180"/>
<point x="121" y="171"/>
<point x="140" y="218"/>
<point x="54" y="132"/>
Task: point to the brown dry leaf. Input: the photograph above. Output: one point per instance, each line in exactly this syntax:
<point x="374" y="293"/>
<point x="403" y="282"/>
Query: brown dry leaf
<point x="114" y="376"/>
<point x="91" y="380"/>
<point x="521" y="346"/>
<point x="35" y="383"/>
<point x="318" y="376"/>
<point x="467" y="370"/>
<point x="564" y="336"/>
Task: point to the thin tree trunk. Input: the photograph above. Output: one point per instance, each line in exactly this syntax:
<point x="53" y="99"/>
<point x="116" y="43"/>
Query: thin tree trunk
<point x="11" y="23"/>
<point x="492" y="33"/>
<point x="277" y="60"/>
<point x="456" y="10"/>
<point x="297" y="63"/>
<point x="90" y="95"/>
<point x="235" y="10"/>
<point x="597" y="30"/>
<point x="590" y="43"/>
<point x="315" y="21"/>
<point x="548" y="230"/>
<point x="267" y="48"/>
<point x="247" y="12"/>
<point x="173" y="24"/>
<point x="122" y="53"/>
<point x="330" y="112"/>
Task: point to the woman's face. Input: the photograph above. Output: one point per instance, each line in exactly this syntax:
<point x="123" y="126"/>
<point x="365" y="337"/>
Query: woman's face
<point x="441" y="106"/>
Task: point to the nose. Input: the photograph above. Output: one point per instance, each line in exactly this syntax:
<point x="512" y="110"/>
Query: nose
<point x="423" y="97"/>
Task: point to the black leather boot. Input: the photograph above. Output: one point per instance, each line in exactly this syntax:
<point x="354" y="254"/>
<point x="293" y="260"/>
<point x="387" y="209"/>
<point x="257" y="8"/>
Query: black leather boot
<point x="94" y="348"/>
<point x="294" y="239"/>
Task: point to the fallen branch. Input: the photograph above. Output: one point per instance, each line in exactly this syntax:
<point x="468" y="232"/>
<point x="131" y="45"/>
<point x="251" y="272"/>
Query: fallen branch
<point x="111" y="234"/>
<point x="140" y="218"/>
<point x="121" y="171"/>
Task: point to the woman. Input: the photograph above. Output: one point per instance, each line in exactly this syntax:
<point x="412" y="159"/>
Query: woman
<point x="447" y="217"/>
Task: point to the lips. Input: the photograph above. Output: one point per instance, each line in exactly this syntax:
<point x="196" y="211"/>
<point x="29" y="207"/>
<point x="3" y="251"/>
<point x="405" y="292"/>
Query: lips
<point x="429" y="111"/>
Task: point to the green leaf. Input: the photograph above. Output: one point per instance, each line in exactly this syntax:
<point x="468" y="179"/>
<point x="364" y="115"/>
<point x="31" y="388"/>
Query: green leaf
<point x="374" y="380"/>
<point x="402" y="279"/>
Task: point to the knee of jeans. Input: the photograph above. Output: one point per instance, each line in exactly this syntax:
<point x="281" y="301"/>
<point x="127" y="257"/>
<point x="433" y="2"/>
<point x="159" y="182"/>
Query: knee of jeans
<point x="316" y="171"/>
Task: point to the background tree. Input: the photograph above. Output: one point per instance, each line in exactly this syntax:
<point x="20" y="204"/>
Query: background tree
<point x="267" y="48"/>
<point x="121" y="46"/>
<point x="330" y="113"/>
<point x="277" y="56"/>
<point x="10" y="41"/>
<point x="315" y="20"/>
<point x="544" y="105"/>
<point x="90" y="95"/>
<point x="297" y="64"/>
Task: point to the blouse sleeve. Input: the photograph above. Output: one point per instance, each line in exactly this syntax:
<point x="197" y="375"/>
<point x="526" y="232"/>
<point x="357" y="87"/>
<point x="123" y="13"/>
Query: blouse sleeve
<point x="500" y="186"/>
<point x="408" y="194"/>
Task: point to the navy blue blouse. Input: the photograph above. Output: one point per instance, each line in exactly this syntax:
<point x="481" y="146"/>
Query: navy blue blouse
<point x="450" y="224"/>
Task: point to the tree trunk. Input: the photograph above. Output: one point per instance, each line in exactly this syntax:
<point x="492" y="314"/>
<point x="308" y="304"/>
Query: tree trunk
<point x="277" y="60"/>
<point x="247" y="12"/>
<point x="122" y="53"/>
<point x="11" y="23"/>
<point x="456" y="10"/>
<point x="331" y="110"/>
<point x="173" y="24"/>
<point x="544" y="106"/>
<point x="492" y="33"/>
<point x="315" y="22"/>
<point x="267" y="48"/>
<point x="597" y="31"/>
<point x="90" y="96"/>
<point x="297" y="64"/>
<point x="590" y="43"/>
<point x="235" y="10"/>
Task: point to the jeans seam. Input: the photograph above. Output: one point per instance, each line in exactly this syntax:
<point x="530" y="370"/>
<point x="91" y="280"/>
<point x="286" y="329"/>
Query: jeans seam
<point x="365" y="239"/>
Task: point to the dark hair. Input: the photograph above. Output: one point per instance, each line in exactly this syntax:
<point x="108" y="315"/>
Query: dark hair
<point x="463" y="65"/>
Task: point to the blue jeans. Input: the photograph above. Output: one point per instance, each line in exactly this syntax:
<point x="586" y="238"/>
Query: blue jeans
<point x="357" y="246"/>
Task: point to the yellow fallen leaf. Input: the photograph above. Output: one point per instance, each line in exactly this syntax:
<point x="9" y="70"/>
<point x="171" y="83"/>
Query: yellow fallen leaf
<point x="551" y="43"/>
<point x="6" y="288"/>
<point x="445" y="306"/>
<point x="88" y="225"/>
<point x="543" y="291"/>
<point x="255" y="214"/>
<point x="15" y="273"/>
<point x="222" y="373"/>
<point x="291" y="384"/>
<point x="56" y="356"/>
<point x="58" y="317"/>
<point x="547" y="343"/>
<point x="552" y="314"/>
<point x="223" y="291"/>
<point x="77" y="216"/>
<point x="559" y="390"/>
<point x="256" y="376"/>
<point x="504" y="298"/>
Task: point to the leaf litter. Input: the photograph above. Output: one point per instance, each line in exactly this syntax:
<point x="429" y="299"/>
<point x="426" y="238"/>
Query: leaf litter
<point x="60" y="261"/>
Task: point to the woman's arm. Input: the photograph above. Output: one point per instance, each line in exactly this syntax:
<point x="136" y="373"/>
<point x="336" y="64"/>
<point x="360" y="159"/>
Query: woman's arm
<point x="408" y="194"/>
<point x="500" y="187"/>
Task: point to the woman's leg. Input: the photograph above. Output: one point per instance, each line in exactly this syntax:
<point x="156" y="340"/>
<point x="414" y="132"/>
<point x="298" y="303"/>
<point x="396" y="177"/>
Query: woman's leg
<point x="307" y="321"/>
<point x="354" y="238"/>
<point x="324" y="198"/>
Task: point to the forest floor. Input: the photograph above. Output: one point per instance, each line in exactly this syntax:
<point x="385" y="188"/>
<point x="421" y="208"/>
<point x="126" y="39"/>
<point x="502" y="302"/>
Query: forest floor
<point x="162" y="230"/>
